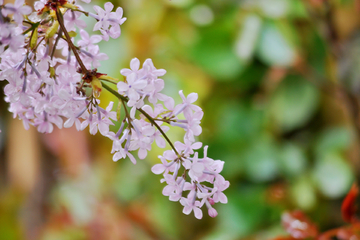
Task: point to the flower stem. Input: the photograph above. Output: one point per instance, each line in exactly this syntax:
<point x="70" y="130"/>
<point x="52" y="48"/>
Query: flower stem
<point x="68" y="39"/>
<point x="33" y="26"/>
<point x="55" y="44"/>
<point x="125" y="99"/>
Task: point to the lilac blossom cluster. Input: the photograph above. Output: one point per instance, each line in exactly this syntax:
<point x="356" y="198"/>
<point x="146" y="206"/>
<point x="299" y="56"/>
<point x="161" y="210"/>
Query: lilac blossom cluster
<point x="46" y="88"/>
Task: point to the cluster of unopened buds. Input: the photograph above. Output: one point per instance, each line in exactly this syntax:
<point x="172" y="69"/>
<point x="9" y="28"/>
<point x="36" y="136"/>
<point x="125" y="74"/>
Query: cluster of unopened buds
<point x="44" y="90"/>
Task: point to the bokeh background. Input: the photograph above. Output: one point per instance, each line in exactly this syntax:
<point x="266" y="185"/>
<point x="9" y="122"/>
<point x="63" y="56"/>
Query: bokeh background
<point x="279" y="83"/>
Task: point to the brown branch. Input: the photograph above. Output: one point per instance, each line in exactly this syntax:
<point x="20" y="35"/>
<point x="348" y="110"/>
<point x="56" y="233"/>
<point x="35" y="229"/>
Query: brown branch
<point x="68" y="39"/>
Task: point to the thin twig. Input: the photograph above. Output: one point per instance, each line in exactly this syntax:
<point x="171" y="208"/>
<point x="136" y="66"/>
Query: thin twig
<point x="125" y="99"/>
<point x="68" y="39"/>
<point x="56" y="42"/>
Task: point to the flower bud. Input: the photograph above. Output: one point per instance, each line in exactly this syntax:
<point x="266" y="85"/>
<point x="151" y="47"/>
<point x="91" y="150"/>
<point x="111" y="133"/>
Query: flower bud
<point x="108" y="78"/>
<point x="212" y="212"/>
<point x="52" y="71"/>
<point x="96" y="86"/>
<point x="72" y="34"/>
<point x="34" y="38"/>
<point x="52" y="30"/>
<point x="70" y="6"/>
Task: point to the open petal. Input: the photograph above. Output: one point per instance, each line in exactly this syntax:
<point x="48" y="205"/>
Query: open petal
<point x="142" y="153"/>
<point x="117" y="156"/>
<point x="192" y="97"/>
<point x="84" y="35"/>
<point x="99" y="11"/>
<point x="187" y="210"/>
<point x="140" y="84"/>
<point x="196" y="145"/>
<point x="125" y="72"/>
<point x="170" y="155"/>
<point x="160" y="141"/>
<point x="222" y="197"/>
<point x="158" y="169"/>
<point x="135" y="64"/>
<point x="95" y="38"/>
<point x="198" y="213"/>
<point x="108" y="6"/>
<point x="132" y="158"/>
<point x="68" y="123"/>
<point x="122" y="87"/>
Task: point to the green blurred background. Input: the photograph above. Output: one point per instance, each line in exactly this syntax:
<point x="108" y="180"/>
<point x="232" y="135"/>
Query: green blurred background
<point x="279" y="83"/>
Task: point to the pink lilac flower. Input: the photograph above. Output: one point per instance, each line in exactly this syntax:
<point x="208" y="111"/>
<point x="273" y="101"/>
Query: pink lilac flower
<point x="131" y="88"/>
<point x="134" y="67"/>
<point x="17" y="9"/>
<point x="108" y="22"/>
<point x="43" y="90"/>
<point x="188" y="147"/>
<point x="72" y="20"/>
<point x="86" y="40"/>
<point x="190" y="204"/>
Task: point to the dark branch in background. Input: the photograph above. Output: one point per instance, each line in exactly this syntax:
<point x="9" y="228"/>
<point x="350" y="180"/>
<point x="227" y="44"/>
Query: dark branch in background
<point x="333" y="36"/>
<point x="351" y="100"/>
<point x="323" y="83"/>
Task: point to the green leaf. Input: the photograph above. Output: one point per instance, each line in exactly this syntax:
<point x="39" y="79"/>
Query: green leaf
<point x="274" y="48"/>
<point x="241" y="216"/>
<point x="317" y="51"/>
<point x="240" y="122"/>
<point x="294" y="103"/>
<point x="333" y="175"/>
<point x="303" y="193"/>
<point x="179" y="3"/>
<point x="292" y="159"/>
<point x="248" y="37"/>
<point x="333" y="140"/>
<point x="274" y="8"/>
<point x="128" y="183"/>
<point x="215" y="53"/>
<point x="261" y="160"/>
<point x="298" y="9"/>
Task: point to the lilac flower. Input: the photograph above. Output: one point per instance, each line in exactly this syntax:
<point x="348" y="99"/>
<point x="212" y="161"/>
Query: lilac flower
<point x="175" y="188"/>
<point x="188" y="147"/>
<point x="190" y="204"/>
<point x="151" y="71"/>
<point x="221" y="184"/>
<point x="187" y="105"/>
<point x="86" y="40"/>
<point x="165" y="166"/>
<point x="10" y="36"/>
<point x="134" y="67"/>
<point x="72" y="19"/>
<point x="93" y="56"/>
<point x="17" y="9"/>
<point x="99" y="120"/>
<point x="44" y="122"/>
<point x="122" y="153"/>
<point x="131" y="88"/>
<point x="108" y="22"/>
<point x="44" y="90"/>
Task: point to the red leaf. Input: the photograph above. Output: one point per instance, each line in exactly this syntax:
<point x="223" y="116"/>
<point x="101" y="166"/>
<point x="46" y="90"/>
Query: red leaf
<point x="343" y="233"/>
<point x="284" y="238"/>
<point x="298" y="225"/>
<point x="348" y="207"/>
